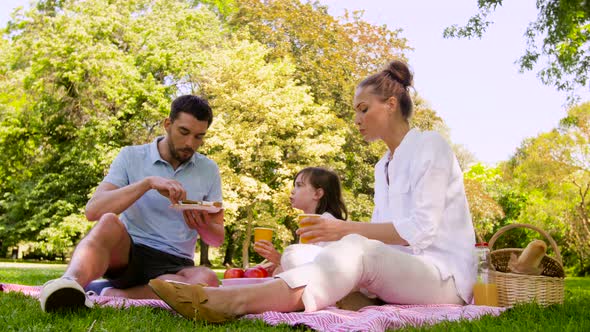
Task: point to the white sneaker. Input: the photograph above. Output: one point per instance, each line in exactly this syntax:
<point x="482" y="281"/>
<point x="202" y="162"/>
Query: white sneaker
<point x="63" y="293"/>
<point x="104" y="290"/>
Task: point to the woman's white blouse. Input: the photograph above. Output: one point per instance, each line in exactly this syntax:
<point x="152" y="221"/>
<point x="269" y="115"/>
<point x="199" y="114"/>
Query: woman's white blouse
<point x="421" y="192"/>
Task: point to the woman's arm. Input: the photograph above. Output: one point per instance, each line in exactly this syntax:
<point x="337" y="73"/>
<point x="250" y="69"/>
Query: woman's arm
<point x="385" y="232"/>
<point x="429" y="177"/>
<point x="324" y="229"/>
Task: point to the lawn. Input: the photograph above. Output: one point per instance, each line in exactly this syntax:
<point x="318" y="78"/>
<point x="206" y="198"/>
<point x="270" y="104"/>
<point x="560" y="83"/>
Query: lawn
<point x="19" y="312"/>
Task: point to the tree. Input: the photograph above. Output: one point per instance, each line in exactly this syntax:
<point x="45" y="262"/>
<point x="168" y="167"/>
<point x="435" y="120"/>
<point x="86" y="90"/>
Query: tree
<point x="554" y="169"/>
<point x="561" y="33"/>
<point x="78" y="80"/>
<point x="331" y="63"/>
<point x="268" y="129"/>
<point x="481" y="190"/>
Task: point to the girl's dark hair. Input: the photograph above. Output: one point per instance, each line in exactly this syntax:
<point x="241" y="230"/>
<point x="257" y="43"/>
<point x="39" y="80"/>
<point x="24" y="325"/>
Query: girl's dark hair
<point x="393" y="81"/>
<point x="329" y="182"/>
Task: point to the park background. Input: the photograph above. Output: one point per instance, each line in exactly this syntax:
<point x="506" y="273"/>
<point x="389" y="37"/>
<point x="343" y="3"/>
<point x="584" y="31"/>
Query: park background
<point x="81" y="79"/>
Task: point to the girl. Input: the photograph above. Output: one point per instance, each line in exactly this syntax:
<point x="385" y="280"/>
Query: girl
<point x="316" y="190"/>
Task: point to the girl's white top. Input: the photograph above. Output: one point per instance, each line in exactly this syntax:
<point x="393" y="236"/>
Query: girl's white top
<point x="302" y="253"/>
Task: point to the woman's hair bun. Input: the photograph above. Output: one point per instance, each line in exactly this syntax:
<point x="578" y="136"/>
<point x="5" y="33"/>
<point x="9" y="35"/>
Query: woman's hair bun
<point x="393" y="81"/>
<point x="400" y="72"/>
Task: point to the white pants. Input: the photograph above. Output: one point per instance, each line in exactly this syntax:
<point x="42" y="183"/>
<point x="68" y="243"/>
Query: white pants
<point x="356" y="262"/>
<point x="298" y="254"/>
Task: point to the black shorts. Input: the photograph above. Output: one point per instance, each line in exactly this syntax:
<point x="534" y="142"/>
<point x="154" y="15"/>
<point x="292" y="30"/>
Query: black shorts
<point x="146" y="263"/>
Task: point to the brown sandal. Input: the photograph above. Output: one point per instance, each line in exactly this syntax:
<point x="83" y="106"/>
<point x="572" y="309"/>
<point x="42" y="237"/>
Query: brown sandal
<point x="187" y="300"/>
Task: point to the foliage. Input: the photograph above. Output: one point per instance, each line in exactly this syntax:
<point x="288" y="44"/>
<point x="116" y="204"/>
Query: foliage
<point x="331" y="63"/>
<point x="554" y="171"/>
<point x="480" y="188"/>
<point x="561" y="34"/>
<point x="80" y="79"/>
<point x="269" y="129"/>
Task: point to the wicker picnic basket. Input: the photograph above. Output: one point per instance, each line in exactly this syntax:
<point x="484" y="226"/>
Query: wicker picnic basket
<point x="545" y="289"/>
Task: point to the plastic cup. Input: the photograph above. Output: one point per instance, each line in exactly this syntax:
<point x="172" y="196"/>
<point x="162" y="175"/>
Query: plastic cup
<point x="263" y="233"/>
<point x="299" y="222"/>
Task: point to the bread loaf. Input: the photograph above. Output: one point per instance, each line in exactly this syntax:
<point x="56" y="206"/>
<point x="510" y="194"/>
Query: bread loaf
<point x="529" y="260"/>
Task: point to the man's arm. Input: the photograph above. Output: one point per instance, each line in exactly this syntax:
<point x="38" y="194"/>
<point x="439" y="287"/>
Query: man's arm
<point x="110" y="198"/>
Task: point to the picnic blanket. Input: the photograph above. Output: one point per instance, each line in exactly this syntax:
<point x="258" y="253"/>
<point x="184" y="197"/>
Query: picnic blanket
<point x="372" y="318"/>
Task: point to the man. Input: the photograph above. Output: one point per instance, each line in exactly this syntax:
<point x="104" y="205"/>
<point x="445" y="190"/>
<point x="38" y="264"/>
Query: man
<point x="138" y="236"/>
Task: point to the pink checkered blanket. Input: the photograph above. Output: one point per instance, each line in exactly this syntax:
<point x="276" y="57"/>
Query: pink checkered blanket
<point x="373" y="318"/>
<point x="107" y="301"/>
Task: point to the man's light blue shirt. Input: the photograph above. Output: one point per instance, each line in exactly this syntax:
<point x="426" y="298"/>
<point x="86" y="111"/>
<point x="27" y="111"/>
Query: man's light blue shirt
<point x="150" y="220"/>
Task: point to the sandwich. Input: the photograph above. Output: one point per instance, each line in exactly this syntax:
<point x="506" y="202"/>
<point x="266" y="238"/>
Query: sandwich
<point x="203" y="203"/>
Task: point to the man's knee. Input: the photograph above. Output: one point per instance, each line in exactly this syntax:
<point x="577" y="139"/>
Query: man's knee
<point x="108" y="227"/>
<point x="110" y="223"/>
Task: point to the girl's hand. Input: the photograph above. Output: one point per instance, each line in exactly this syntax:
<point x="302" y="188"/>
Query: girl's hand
<point x="267" y="250"/>
<point x="323" y="229"/>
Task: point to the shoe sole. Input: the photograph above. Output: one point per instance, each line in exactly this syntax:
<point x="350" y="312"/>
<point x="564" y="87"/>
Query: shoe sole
<point x="171" y="305"/>
<point x="64" y="299"/>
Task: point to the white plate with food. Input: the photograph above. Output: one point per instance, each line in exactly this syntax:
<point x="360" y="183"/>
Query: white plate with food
<point x="211" y="207"/>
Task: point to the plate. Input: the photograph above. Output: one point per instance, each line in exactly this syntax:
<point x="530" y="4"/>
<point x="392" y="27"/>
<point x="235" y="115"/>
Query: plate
<point x="243" y="281"/>
<point x="209" y="207"/>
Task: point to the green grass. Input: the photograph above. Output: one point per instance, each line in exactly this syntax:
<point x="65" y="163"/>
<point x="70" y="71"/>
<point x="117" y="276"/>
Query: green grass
<point x="22" y="313"/>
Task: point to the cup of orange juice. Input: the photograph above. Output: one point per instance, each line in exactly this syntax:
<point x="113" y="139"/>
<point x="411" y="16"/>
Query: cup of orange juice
<point x="262" y="233"/>
<point x="300" y="219"/>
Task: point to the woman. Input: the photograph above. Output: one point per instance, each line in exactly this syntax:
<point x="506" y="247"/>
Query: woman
<point x="416" y="250"/>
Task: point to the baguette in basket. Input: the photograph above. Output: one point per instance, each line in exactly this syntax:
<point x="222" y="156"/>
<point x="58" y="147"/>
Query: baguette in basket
<point x="529" y="260"/>
<point x="545" y="289"/>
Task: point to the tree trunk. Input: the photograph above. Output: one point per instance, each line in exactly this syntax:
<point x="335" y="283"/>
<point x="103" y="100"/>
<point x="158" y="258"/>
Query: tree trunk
<point x="229" y="249"/>
<point x="204" y="253"/>
<point x="292" y="226"/>
<point x="246" y="243"/>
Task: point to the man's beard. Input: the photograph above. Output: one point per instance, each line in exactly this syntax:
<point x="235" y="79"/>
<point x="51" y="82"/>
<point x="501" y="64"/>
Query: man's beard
<point x="174" y="152"/>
